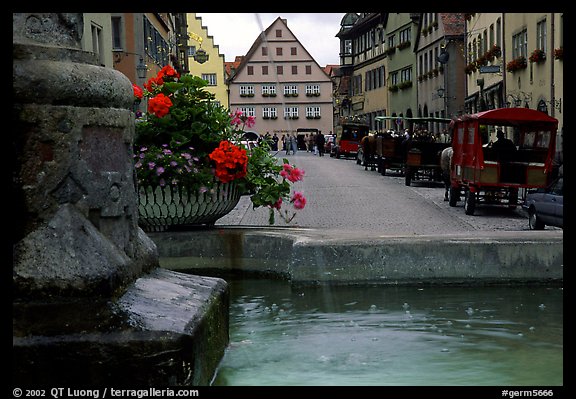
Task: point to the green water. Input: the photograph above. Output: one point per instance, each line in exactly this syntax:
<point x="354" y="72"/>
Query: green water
<point x="397" y="336"/>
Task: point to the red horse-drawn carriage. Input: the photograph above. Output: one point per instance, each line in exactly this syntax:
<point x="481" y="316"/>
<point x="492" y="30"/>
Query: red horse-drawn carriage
<point x="481" y="173"/>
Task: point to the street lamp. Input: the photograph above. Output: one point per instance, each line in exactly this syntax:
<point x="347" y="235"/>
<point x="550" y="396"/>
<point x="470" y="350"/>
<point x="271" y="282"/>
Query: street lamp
<point x="442" y="59"/>
<point x="141" y="69"/>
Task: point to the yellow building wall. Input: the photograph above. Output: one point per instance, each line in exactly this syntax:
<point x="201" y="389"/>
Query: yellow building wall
<point x="215" y="63"/>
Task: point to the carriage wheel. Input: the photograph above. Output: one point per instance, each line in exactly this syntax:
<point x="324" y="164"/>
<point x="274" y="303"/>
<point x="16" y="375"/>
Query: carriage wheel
<point x="453" y="194"/>
<point x="469" y="202"/>
<point x="513" y="198"/>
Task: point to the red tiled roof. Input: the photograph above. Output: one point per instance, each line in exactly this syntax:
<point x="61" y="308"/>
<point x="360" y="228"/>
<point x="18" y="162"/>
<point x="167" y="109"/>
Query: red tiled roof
<point x="454" y="23"/>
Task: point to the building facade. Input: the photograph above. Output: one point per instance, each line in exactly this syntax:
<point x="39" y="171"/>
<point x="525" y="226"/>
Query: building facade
<point x="439" y="63"/>
<point x="401" y="30"/>
<point x="362" y="90"/>
<point x="281" y="85"/>
<point x="205" y="60"/>
<point x="516" y="60"/>
<point x="484" y="62"/>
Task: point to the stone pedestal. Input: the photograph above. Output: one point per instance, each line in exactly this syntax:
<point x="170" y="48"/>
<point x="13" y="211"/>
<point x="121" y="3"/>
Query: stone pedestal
<point x="78" y="250"/>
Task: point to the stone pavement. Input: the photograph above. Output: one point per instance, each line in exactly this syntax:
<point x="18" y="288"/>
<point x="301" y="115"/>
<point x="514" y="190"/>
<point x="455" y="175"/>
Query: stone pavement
<point x="342" y="195"/>
<point x="361" y="227"/>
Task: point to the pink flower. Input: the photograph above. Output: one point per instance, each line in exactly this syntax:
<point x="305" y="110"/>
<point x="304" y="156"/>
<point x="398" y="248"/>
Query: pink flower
<point x="296" y="175"/>
<point x="291" y="173"/>
<point x="250" y="121"/>
<point x="298" y="200"/>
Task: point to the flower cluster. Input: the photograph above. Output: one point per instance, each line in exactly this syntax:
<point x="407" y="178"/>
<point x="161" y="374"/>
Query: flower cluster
<point x="163" y="165"/>
<point x="559" y="53"/>
<point x="516" y="64"/>
<point x="138" y="92"/>
<point x="231" y="162"/>
<point x="537" y="55"/>
<point x="187" y="138"/>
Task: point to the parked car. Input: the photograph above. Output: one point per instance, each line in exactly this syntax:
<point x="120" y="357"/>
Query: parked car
<point x="545" y="206"/>
<point x="329" y="143"/>
<point x="250" y="139"/>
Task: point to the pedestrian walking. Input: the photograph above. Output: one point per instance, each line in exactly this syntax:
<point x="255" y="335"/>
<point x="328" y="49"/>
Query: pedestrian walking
<point x="287" y="143"/>
<point x="310" y="142"/>
<point x="294" y="143"/>
<point x="320" y="142"/>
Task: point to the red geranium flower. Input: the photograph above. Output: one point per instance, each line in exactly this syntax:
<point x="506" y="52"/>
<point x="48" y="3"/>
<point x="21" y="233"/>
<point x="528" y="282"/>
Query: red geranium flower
<point x="159" y="105"/>
<point x="138" y="93"/>
<point x="231" y="162"/>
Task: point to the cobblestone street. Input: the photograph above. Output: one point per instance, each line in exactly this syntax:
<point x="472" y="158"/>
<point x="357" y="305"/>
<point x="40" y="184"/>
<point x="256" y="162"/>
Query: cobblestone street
<point x="342" y="195"/>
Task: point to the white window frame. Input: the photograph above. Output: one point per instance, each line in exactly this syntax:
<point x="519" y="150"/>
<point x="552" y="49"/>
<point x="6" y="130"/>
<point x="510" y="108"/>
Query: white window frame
<point x="210" y="78"/>
<point x="541" y="35"/>
<point x="246" y="90"/>
<point x="248" y="111"/>
<point x="312" y="89"/>
<point x="520" y="44"/>
<point x="394" y="78"/>
<point x="405" y="35"/>
<point x="347" y="47"/>
<point x="269" y="112"/>
<point x="406" y="75"/>
<point x="290" y="89"/>
<point x="312" y="111"/>
<point x="290" y="112"/>
<point x="268" y="89"/>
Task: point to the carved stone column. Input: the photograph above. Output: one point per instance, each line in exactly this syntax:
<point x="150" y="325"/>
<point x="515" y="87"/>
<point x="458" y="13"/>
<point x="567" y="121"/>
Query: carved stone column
<point x="77" y="231"/>
<point x="86" y="278"/>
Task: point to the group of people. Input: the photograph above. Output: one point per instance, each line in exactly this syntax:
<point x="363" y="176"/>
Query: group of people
<point x="271" y="140"/>
<point x="290" y="143"/>
<point x="422" y="135"/>
<point x="313" y="142"/>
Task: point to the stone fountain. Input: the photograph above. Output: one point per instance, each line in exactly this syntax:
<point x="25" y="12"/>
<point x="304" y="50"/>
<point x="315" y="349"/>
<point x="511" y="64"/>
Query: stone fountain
<point x="90" y="303"/>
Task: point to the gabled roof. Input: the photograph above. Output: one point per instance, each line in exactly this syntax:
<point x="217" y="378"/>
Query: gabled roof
<point x="231" y="66"/>
<point x="331" y="69"/>
<point x="259" y="40"/>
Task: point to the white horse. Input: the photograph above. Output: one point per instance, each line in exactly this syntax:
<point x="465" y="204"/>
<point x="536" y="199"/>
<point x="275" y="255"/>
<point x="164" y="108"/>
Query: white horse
<point x="446" y="166"/>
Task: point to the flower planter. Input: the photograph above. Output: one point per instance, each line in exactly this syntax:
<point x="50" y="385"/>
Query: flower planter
<point x="175" y="207"/>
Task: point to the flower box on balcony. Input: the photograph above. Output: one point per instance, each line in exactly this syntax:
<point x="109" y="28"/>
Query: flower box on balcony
<point x="516" y="64"/>
<point x="404" y="45"/>
<point x="471" y="67"/>
<point x="559" y="53"/>
<point x="404" y="85"/>
<point x="537" y="55"/>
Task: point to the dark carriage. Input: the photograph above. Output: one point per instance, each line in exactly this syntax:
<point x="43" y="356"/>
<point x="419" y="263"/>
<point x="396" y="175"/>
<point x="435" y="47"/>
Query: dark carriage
<point x="418" y="158"/>
<point x="423" y="161"/>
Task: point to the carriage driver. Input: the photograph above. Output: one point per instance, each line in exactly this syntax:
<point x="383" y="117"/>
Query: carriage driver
<point x="503" y="143"/>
